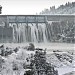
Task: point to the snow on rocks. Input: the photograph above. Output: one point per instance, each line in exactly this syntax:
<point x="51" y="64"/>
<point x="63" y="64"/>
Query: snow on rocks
<point x="64" y="58"/>
<point x="15" y="62"/>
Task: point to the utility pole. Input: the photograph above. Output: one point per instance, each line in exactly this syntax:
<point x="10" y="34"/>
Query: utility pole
<point x="0" y="9"/>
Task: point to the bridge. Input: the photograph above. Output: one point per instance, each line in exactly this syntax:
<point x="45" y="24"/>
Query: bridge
<point x="35" y="18"/>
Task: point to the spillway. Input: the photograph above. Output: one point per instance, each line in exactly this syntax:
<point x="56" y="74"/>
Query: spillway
<point x="37" y="28"/>
<point x="31" y="32"/>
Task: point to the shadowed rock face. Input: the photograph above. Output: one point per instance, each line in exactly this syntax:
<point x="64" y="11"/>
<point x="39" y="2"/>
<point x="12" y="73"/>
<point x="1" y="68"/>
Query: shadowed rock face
<point x="0" y="9"/>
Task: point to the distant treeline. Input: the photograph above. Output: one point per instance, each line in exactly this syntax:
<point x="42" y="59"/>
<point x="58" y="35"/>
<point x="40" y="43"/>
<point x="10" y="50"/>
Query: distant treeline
<point x="68" y="8"/>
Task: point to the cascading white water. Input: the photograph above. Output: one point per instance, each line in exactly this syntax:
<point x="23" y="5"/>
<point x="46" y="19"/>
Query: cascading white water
<point x="33" y="31"/>
<point x="43" y="29"/>
<point x="50" y="31"/>
<point x="30" y="32"/>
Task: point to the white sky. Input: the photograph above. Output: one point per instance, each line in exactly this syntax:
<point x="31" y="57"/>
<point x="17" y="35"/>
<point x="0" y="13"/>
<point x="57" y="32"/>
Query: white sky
<point x="28" y="6"/>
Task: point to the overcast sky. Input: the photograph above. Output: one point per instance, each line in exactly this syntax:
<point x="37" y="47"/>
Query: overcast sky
<point x="28" y="6"/>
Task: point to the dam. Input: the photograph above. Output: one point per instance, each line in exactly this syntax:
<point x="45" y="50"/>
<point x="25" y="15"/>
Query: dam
<point x="37" y="28"/>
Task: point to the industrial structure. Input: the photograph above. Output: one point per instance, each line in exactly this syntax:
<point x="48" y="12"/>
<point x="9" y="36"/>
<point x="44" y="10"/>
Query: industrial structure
<point x="51" y="28"/>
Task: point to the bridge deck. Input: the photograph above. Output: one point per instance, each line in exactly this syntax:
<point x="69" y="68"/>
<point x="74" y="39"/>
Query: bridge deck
<point x="35" y="18"/>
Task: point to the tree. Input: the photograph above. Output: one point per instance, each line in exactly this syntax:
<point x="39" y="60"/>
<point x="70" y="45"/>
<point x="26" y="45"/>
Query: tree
<point x="0" y="9"/>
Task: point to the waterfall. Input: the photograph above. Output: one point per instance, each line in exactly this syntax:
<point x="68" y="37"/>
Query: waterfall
<point x="34" y="32"/>
<point x="39" y="32"/>
<point x="30" y="32"/>
<point x="42" y="29"/>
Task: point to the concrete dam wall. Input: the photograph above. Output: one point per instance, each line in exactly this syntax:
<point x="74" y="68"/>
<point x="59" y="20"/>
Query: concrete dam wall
<point x="37" y="28"/>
